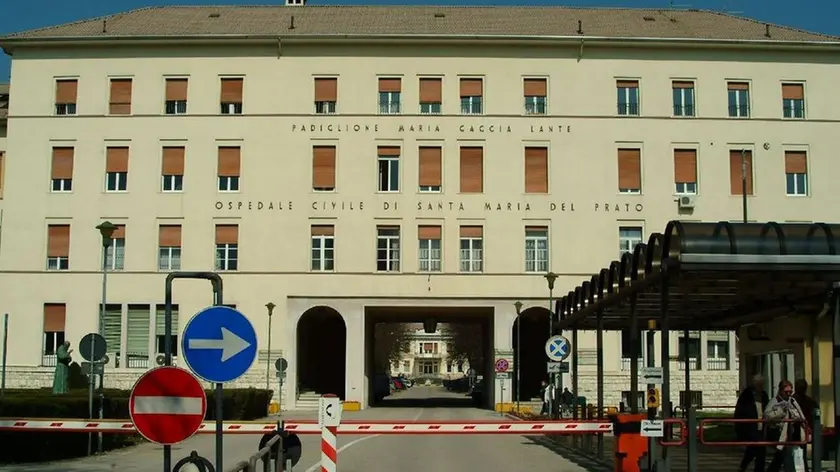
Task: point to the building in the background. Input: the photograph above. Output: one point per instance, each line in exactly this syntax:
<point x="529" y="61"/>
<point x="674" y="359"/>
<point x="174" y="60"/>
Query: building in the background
<point x="429" y="357"/>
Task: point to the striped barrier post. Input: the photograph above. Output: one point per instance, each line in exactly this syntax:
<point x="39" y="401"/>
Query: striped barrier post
<point x="329" y="450"/>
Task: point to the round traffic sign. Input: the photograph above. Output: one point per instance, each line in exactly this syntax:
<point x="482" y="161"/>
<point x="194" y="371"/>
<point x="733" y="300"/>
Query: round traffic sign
<point x="557" y="348"/>
<point x="502" y="365"/>
<point x="92" y="347"/>
<point x="167" y="405"/>
<point x="281" y="364"/>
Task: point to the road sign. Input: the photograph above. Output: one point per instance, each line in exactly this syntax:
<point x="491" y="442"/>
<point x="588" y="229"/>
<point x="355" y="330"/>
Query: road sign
<point x="651" y="375"/>
<point x="329" y="411"/>
<point x="167" y="405"/>
<point x="219" y="344"/>
<point x="502" y="365"/>
<point x="557" y="348"/>
<point x="502" y="375"/>
<point x="653" y="428"/>
<point x="557" y="367"/>
<point x="92" y="347"/>
<point x="281" y="365"/>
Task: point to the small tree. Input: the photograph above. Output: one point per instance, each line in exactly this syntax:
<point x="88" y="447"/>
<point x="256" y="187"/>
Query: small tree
<point x="391" y="341"/>
<point x="465" y="342"/>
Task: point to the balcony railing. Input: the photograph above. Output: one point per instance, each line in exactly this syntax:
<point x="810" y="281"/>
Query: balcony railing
<point x="137" y="361"/>
<point x="427" y="355"/>
<point x="48" y="360"/>
<point x="626" y="362"/>
<point x="693" y="363"/>
<point x="717" y="364"/>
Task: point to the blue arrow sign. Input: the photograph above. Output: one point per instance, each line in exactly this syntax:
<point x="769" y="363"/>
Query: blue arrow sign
<point x="219" y="344"/>
<point x="557" y="348"/>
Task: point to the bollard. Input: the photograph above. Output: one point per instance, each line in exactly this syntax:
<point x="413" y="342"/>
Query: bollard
<point x="193" y="463"/>
<point x="691" y="426"/>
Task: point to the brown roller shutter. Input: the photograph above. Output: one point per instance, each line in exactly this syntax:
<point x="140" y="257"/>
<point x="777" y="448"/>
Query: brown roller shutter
<point x="229" y="161"/>
<point x="55" y="317"/>
<point x="169" y="236"/>
<point x="66" y="91"/>
<point x="326" y="90"/>
<point x="536" y="88"/>
<point x="472" y="170"/>
<point x="119" y="232"/>
<point x="116" y="159"/>
<point x="387" y="151"/>
<point x="471" y="231"/>
<point x="793" y="92"/>
<point x="796" y="162"/>
<point x="58" y="244"/>
<point x="536" y="228"/>
<point x="685" y="166"/>
<point x="630" y="169"/>
<point x="536" y="170"/>
<point x="738" y="86"/>
<point x="471" y="87"/>
<point x="735" y="172"/>
<point x="323" y="230"/>
<point x="173" y="160"/>
<point x="120" y="103"/>
<point x="232" y="90"/>
<point x="390" y="85"/>
<point x="227" y="234"/>
<point x="627" y="84"/>
<point x="176" y="89"/>
<point x="430" y="161"/>
<point x="682" y="84"/>
<point x="431" y="90"/>
<point x="323" y="167"/>
<point x="62" y="163"/>
<point x="429" y="232"/>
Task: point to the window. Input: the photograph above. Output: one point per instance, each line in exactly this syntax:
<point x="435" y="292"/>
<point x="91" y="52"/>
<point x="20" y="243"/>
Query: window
<point x="685" y="171"/>
<point x="169" y="247"/>
<point x="323" y="168"/>
<point x="66" y="91"/>
<point x="472" y="170"/>
<point x="227" y="247"/>
<point x="717" y="351"/>
<point x="58" y="247"/>
<point x="112" y="331"/>
<point x="472" y="246"/>
<point x="431" y="95"/>
<point x="430" y="164"/>
<point x="176" y="96"/>
<point x="116" y="169"/>
<point x="115" y="253"/>
<point x="793" y="100"/>
<point x="231" y="96"/>
<point x="387" y="248"/>
<point x="536" y="92"/>
<point x="630" y="171"/>
<point x="323" y="248"/>
<point x="120" y="100"/>
<point x="472" y="96"/>
<point x="739" y="99"/>
<point x="137" y="336"/>
<point x="740" y="171"/>
<point x="430" y="248"/>
<point x="695" y="398"/>
<point x="536" y="170"/>
<point x="689" y="351"/>
<point x="389" y="96"/>
<point x="627" y="346"/>
<point x="172" y="169"/>
<point x="628" y="238"/>
<point x="55" y="319"/>
<point x="628" y="97"/>
<point x="388" y="161"/>
<point x="229" y="165"/>
<point x="62" y="169"/>
<point x="406" y="366"/>
<point x="536" y="249"/>
<point x="796" y="173"/>
<point x="683" y="92"/>
<point x="326" y="95"/>
<point x="160" y="329"/>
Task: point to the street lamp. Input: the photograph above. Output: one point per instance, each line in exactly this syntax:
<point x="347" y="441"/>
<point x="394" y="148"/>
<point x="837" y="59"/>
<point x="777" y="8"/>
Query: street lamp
<point x="518" y="306"/>
<point x="270" y="307"/>
<point x="556" y="380"/>
<point x="106" y="230"/>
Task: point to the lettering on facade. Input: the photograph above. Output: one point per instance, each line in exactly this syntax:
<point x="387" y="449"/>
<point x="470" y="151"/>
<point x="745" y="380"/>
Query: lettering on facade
<point x="426" y="128"/>
<point x="438" y="206"/>
<point x="258" y="205"/>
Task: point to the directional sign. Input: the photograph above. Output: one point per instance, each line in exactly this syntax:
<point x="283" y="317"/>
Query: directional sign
<point x="502" y="375"/>
<point x="557" y="348"/>
<point x="92" y="347"/>
<point x="281" y="364"/>
<point x="167" y="405"/>
<point x="502" y="365"/>
<point x="557" y="367"/>
<point x="329" y="411"/>
<point x="651" y="375"/>
<point x="219" y="344"/>
<point x="653" y="428"/>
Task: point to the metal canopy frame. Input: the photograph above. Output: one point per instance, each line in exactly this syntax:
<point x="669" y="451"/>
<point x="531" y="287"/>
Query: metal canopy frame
<point x="717" y="276"/>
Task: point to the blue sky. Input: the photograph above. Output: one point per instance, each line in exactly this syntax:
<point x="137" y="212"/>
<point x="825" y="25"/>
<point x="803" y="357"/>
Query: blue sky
<point x="812" y="15"/>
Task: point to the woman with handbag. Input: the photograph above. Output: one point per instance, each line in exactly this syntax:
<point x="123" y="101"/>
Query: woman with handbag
<point x="786" y="412"/>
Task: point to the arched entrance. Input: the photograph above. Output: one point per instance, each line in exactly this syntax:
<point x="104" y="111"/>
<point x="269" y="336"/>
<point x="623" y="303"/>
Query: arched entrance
<point x="534" y="324"/>
<point x="321" y="351"/>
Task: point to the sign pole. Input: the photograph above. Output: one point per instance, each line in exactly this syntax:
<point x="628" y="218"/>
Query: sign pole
<point x="5" y="349"/>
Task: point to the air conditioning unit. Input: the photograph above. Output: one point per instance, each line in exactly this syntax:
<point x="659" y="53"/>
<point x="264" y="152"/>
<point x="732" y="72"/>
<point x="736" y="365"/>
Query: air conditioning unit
<point x="687" y="202"/>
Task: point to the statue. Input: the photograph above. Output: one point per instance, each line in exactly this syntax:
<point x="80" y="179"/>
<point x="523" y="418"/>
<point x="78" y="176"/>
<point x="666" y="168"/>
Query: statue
<point x="62" y="368"/>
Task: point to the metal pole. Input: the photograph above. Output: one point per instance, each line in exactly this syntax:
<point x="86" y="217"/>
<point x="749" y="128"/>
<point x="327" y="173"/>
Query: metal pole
<point x="835" y="381"/>
<point x="280" y="395"/>
<point x="557" y="378"/>
<point x="268" y="355"/>
<point x="106" y="243"/>
<point x="518" y="361"/>
<point x="744" y="183"/>
<point x="5" y="349"/>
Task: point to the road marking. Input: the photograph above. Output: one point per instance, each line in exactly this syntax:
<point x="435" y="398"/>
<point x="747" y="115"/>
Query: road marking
<point x="168" y="405"/>
<point x="317" y="466"/>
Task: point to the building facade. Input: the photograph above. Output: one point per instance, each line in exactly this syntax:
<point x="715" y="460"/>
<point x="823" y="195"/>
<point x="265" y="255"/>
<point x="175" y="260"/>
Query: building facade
<point x="358" y="157"/>
<point x="429" y="357"/>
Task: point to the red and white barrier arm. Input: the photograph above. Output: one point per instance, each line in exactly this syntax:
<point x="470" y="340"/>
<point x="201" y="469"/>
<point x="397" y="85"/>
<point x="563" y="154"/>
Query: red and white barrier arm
<point x="356" y="427"/>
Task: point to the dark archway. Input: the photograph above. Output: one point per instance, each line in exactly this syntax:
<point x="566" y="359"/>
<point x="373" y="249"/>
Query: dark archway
<point x="321" y="352"/>
<point x="534" y="322"/>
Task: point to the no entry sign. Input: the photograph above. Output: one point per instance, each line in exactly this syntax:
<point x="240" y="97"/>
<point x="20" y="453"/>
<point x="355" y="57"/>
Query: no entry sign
<point x="167" y="405"/>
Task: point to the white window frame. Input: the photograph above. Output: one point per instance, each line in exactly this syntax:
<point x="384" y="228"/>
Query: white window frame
<point x="177" y="107"/>
<point x="739" y="112"/>
<point x="326" y="255"/>
<point x="533" y="103"/>
<point x="120" y="180"/>
<point x="686" y="188"/>
<point x="65" y="109"/>
<point x="429" y="189"/>
<point x="231" y="108"/>
<point x="682" y="104"/>
<point x="627" y="106"/>
<point x="392" y="249"/>
<point x="431" y="108"/>
<point x="172" y="180"/>
<point x="536" y="259"/>
<point x="392" y="186"/>
<point x="226" y="262"/>
<point x="796" y="191"/>
<point x="471" y="257"/>
<point x="389" y="103"/>
<point x="472" y="105"/>
<point x="628" y="243"/>
<point x="116" y="248"/>
<point x="326" y="108"/>
<point x="430" y="255"/>
<point x="226" y="183"/>
<point x="169" y="258"/>
<point x="58" y="263"/>
<point x="64" y="185"/>
<point x="788" y="106"/>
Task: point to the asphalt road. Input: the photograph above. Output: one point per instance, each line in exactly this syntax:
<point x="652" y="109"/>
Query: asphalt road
<point x="372" y="453"/>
